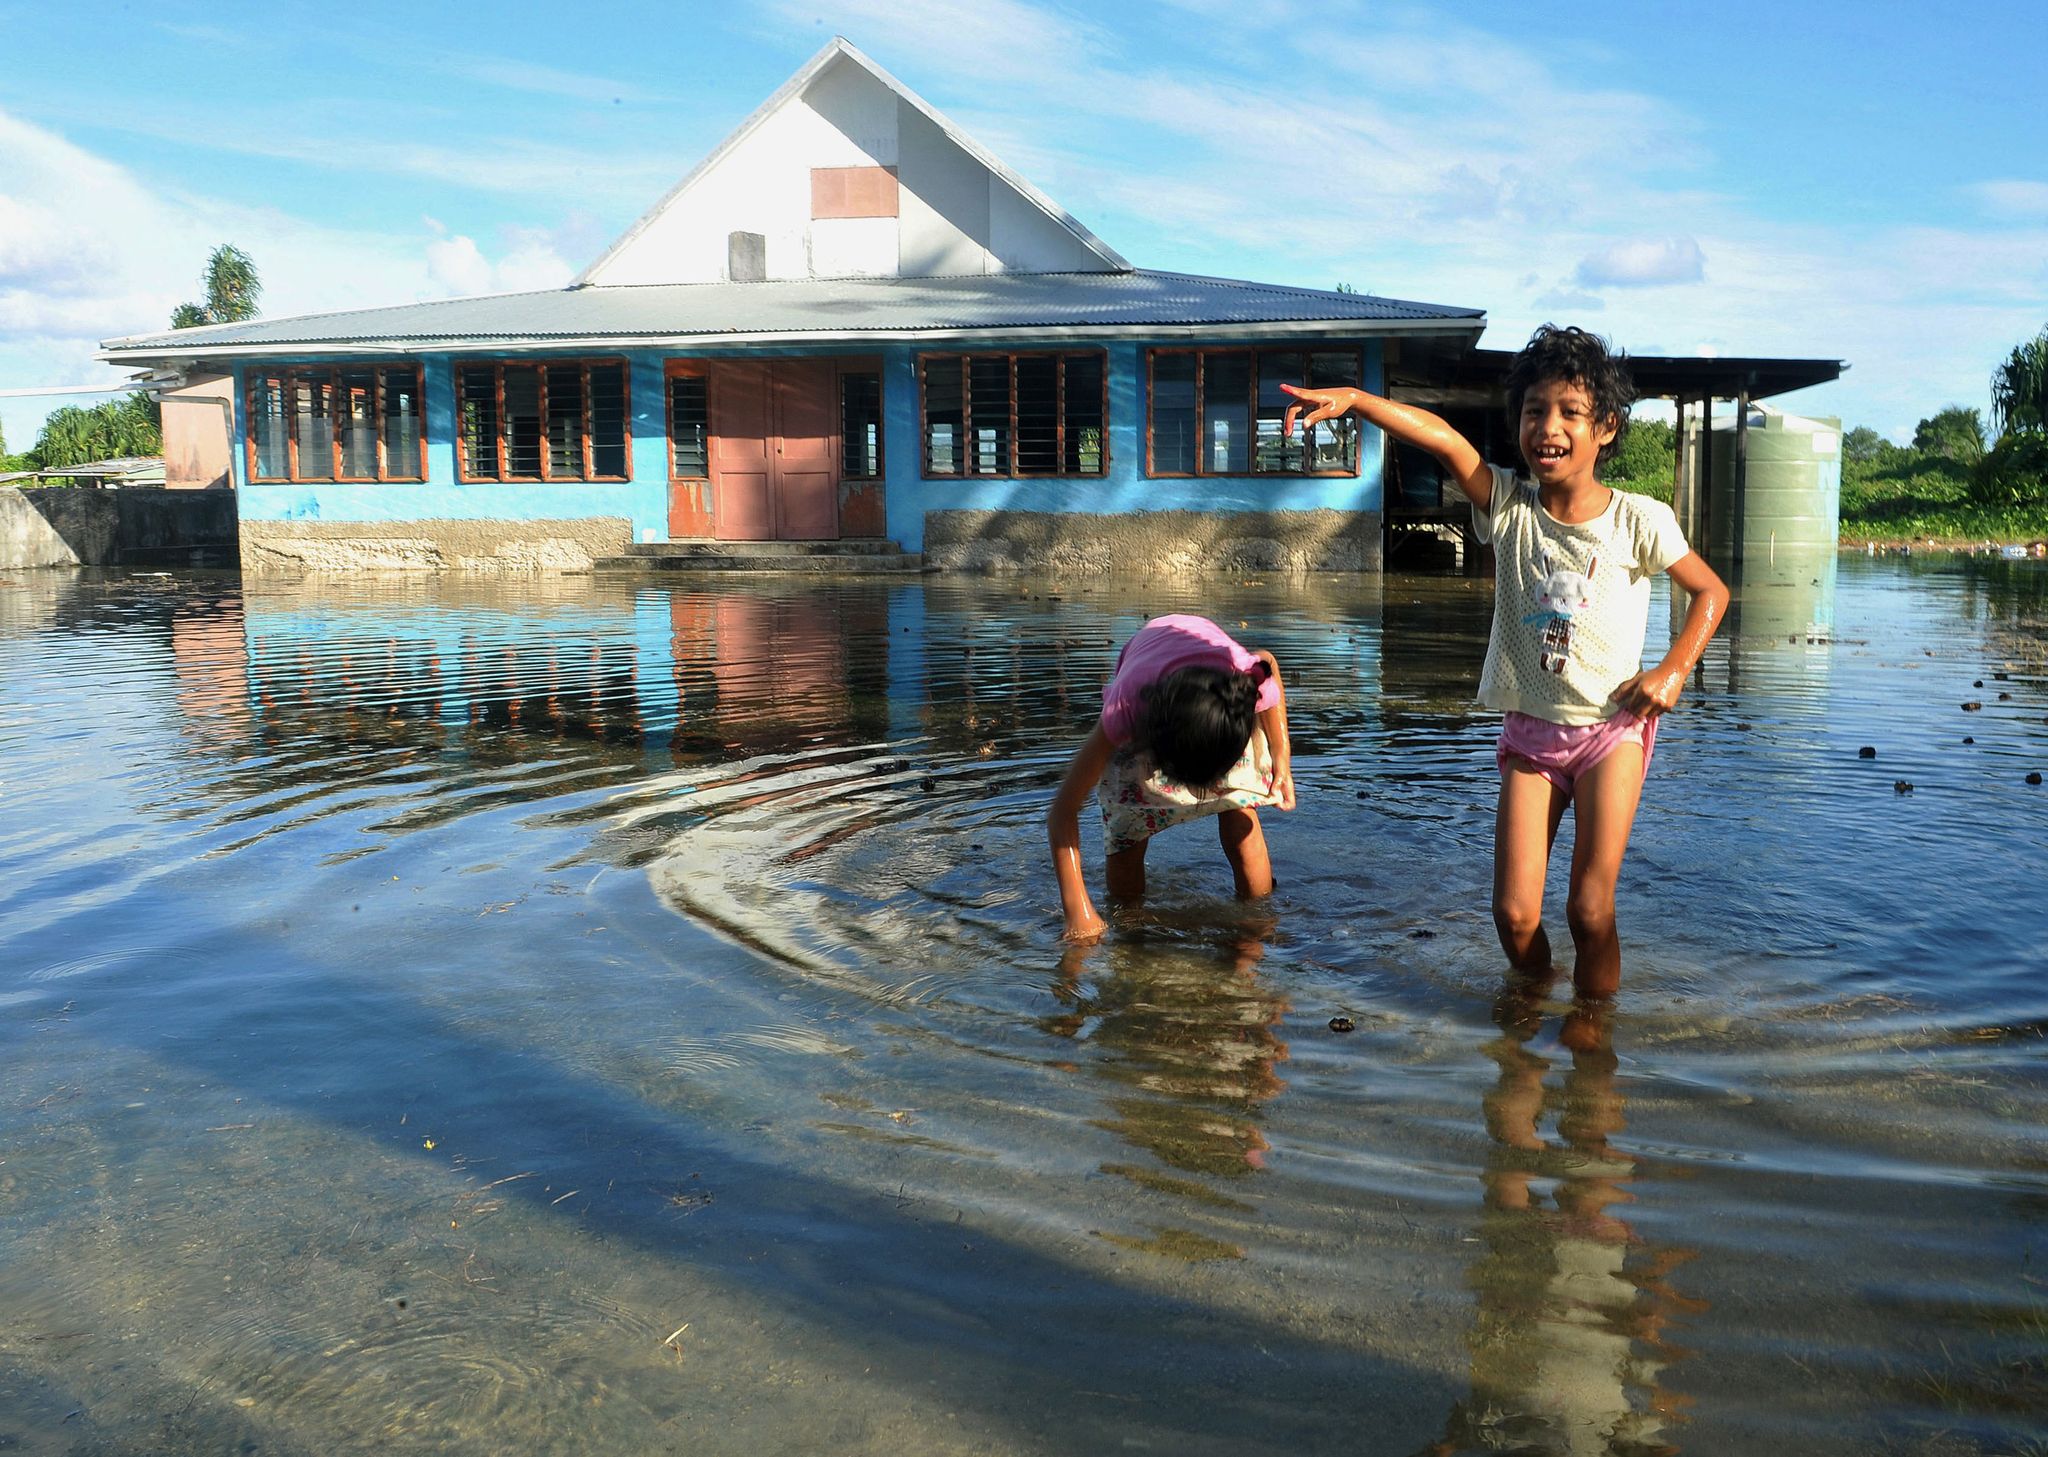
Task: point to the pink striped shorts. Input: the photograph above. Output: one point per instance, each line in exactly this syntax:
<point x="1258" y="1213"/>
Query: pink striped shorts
<point x="1561" y="752"/>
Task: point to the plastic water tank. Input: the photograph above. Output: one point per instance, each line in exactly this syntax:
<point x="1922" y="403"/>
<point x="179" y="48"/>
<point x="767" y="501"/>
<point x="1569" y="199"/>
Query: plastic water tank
<point x="1793" y="501"/>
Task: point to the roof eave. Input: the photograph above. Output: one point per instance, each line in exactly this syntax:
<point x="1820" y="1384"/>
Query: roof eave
<point x="1280" y="330"/>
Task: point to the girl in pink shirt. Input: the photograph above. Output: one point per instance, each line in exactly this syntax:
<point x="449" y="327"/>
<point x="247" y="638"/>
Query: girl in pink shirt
<point x="1192" y="725"/>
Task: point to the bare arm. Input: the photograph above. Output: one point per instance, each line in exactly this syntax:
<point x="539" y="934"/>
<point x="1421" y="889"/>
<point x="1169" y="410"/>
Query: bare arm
<point x="1406" y="423"/>
<point x="1063" y="830"/>
<point x="1656" y="690"/>
<point x="1274" y="721"/>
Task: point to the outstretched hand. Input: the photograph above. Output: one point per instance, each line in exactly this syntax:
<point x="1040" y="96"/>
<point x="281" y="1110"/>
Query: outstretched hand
<point x="1316" y="407"/>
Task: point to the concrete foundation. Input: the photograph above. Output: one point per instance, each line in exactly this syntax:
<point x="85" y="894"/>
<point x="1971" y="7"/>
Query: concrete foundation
<point x="1153" y="541"/>
<point x="75" y="526"/>
<point x="431" y="546"/>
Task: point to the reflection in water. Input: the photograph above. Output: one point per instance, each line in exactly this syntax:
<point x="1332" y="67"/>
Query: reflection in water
<point x="1191" y="1034"/>
<point x="1569" y="1346"/>
<point x="460" y="970"/>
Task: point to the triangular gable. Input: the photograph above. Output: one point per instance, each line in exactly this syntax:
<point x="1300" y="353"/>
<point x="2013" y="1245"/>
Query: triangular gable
<point x="845" y="172"/>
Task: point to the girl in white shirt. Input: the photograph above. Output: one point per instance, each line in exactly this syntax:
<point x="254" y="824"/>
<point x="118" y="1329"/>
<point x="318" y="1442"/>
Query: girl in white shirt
<point x="1573" y="560"/>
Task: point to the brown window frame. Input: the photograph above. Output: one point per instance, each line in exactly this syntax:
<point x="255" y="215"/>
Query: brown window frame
<point x="1201" y="353"/>
<point x="924" y="453"/>
<point x="289" y="376"/>
<point x="671" y="370"/>
<point x="863" y="365"/>
<point x="541" y="366"/>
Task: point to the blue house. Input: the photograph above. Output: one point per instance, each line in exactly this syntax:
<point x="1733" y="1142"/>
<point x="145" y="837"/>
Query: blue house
<point x="849" y="324"/>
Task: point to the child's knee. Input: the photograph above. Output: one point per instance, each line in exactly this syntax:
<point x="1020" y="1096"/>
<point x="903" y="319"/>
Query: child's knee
<point x="1589" y="910"/>
<point x="1519" y="916"/>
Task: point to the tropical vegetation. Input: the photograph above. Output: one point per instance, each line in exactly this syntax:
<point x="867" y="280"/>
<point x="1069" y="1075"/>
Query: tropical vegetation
<point x="133" y="424"/>
<point x="232" y="289"/>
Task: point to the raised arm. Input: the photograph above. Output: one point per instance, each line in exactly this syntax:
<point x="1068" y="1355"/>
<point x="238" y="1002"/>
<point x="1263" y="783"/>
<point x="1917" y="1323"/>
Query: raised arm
<point x="1063" y="830"/>
<point x="1274" y="721"/>
<point x="1406" y="423"/>
<point x="1656" y="690"/>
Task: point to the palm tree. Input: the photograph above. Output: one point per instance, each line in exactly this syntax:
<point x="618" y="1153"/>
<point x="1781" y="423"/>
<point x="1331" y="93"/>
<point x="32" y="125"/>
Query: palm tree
<point x="231" y="285"/>
<point x="232" y="289"/>
<point x="72" y="436"/>
<point x="2019" y="388"/>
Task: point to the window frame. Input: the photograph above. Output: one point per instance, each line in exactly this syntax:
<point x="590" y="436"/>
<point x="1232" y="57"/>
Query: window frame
<point x="541" y="366"/>
<point x="862" y="364"/>
<point x="671" y="370"/>
<point x="1257" y="352"/>
<point x="1011" y="356"/>
<point x="289" y="376"/>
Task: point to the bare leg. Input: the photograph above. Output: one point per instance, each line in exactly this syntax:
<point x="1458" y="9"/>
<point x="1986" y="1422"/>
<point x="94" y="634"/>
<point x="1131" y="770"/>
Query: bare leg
<point x="1125" y="879"/>
<point x="1244" y="846"/>
<point x="1524" y="827"/>
<point x="1603" y="813"/>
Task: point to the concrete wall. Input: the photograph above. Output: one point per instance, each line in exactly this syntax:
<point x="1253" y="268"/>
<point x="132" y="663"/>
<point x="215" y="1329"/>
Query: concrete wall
<point x="198" y="424"/>
<point x="128" y="526"/>
<point x="444" y="522"/>
<point x="429" y="545"/>
<point x="1166" y="542"/>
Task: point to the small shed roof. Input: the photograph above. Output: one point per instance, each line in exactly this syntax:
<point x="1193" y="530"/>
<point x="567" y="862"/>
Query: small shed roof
<point x="989" y="308"/>
<point x="122" y="468"/>
<point x="1671" y="376"/>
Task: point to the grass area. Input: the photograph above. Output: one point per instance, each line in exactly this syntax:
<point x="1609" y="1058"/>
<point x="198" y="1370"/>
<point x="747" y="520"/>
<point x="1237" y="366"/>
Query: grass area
<point x="1909" y="496"/>
<point x="1919" y="495"/>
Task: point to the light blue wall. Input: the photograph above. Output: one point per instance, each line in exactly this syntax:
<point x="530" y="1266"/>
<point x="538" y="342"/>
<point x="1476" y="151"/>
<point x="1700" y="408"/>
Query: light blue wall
<point x="644" y="499"/>
<point x="1125" y="488"/>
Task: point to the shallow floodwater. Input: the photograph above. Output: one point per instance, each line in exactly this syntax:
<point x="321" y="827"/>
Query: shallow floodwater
<point x="578" y="1016"/>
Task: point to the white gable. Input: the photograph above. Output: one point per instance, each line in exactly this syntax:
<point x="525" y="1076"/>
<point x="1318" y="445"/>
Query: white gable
<point x="956" y="209"/>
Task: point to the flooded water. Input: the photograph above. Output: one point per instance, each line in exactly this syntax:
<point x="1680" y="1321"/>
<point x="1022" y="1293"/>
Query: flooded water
<point x="597" y="1017"/>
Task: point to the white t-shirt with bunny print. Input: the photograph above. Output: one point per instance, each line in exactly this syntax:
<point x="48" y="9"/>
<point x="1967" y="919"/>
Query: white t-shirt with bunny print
<point x="1571" y="603"/>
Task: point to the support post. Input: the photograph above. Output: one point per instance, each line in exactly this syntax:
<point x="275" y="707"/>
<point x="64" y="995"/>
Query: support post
<point x="1739" y="505"/>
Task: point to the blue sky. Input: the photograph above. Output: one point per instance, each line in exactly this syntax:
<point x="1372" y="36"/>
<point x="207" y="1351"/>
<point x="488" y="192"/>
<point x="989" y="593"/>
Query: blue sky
<point x="1861" y="181"/>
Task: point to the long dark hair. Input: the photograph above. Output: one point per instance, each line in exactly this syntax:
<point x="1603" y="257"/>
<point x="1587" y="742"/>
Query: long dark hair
<point x="1196" y="722"/>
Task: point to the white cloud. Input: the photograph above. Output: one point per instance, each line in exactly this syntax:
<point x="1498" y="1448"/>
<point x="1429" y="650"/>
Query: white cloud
<point x="1571" y="301"/>
<point x="1644" y="263"/>
<point x="2011" y="197"/>
<point x="530" y="263"/>
<point x="90" y="252"/>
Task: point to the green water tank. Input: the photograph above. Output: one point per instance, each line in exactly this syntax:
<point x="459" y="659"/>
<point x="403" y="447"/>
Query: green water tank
<point x="1790" y="513"/>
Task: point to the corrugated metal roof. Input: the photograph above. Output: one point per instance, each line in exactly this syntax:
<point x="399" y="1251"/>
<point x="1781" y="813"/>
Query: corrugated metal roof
<point x="875" y="309"/>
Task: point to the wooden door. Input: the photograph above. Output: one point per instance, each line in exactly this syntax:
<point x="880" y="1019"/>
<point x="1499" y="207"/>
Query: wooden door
<point x="775" y="450"/>
<point x="742" y="453"/>
<point x="807" y="449"/>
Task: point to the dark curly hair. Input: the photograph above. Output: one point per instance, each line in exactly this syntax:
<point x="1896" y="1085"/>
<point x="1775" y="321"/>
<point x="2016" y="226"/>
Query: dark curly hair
<point x="1576" y="357"/>
<point x="1196" y="722"/>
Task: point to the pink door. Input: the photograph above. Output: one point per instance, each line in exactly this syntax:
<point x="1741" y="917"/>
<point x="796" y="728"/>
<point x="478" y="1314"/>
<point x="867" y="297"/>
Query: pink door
<point x="742" y="453"/>
<point x="775" y="450"/>
<point x="807" y="446"/>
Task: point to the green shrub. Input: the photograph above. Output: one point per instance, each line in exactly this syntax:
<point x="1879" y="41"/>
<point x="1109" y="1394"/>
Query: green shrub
<point x="2014" y="472"/>
<point x="1645" y="460"/>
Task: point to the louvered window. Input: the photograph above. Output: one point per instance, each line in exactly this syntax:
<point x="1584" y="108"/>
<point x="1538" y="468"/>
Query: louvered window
<point x="1014" y="415"/>
<point x="359" y="423"/>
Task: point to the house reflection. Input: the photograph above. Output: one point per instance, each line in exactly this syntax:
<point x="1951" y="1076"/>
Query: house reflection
<point x="1571" y="1341"/>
